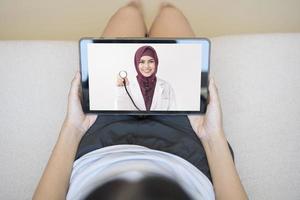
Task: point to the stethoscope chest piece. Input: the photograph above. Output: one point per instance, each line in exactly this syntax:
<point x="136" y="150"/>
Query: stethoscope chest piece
<point x="123" y="74"/>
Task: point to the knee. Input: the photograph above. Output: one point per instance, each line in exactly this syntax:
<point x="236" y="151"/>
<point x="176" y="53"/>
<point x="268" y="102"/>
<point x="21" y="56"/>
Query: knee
<point x="131" y="9"/>
<point x="169" y="10"/>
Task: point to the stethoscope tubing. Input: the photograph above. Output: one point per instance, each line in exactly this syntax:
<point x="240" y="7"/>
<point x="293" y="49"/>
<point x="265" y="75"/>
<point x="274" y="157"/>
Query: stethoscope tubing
<point x="124" y="83"/>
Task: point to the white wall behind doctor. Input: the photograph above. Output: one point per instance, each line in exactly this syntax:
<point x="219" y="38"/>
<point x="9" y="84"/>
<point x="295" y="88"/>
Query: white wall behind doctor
<point x="179" y="65"/>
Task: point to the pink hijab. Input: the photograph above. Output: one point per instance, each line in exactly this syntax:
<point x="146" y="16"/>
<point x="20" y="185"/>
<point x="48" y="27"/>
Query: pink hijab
<point x="147" y="84"/>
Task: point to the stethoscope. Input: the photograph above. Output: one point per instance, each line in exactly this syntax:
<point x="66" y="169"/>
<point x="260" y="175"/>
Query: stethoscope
<point x="123" y="75"/>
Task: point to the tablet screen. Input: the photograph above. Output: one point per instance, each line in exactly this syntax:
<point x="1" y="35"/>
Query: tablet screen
<point x="145" y="76"/>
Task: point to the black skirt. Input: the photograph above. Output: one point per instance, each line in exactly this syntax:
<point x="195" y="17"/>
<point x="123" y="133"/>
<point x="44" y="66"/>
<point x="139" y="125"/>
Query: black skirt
<point x="172" y="134"/>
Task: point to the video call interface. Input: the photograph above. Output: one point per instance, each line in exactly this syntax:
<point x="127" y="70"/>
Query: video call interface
<point x="146" y="76"/>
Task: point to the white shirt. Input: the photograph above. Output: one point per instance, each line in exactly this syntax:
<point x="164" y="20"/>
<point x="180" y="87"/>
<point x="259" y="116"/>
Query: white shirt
<point x="163" y="97"/>
<point x="102" y="165"/>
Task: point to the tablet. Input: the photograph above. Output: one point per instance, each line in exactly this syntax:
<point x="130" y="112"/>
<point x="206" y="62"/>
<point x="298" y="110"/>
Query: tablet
<point x="144" y="76"/>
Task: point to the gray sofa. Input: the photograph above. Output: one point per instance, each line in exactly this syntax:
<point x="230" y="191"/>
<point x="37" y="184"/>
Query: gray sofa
<point x="258" y="77"/>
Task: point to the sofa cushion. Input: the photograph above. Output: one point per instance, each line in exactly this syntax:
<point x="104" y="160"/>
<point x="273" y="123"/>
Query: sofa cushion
<point x="258" y="82"/>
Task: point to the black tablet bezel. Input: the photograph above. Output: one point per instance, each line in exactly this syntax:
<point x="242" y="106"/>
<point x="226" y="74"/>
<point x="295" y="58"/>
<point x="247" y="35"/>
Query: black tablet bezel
<point x="85" y="79"/>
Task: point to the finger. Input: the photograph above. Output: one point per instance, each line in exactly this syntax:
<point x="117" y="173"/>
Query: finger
<point x="193" y="118"/>
<point x="93" y="118"/>
<point x="213" y="91"/>
<point x="120" y="82"/>
<point x="119" y="78"/>
<point x="75" y="85"/>
<point x="196" y="121"/>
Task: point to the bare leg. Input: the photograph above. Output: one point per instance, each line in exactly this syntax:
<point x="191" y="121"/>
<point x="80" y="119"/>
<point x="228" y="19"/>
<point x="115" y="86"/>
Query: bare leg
<point x="170" y="22"/>
<point x="126" y="22"/>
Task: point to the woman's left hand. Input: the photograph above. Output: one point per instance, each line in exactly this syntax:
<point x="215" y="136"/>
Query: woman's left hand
<point x="75" y="117"/>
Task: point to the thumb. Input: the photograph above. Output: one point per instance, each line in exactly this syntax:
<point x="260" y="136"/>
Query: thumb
<point x="213" y="92"/>
<point x="75" y="84"/>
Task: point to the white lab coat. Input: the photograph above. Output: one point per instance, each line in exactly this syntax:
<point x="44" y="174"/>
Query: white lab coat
<point x="163" y="98"/>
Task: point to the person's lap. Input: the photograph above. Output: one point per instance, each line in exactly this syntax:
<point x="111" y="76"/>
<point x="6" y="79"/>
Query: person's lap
<point x="172" y="134"/>
<point x="129" y="129"/>
<point x="168" y="133"/>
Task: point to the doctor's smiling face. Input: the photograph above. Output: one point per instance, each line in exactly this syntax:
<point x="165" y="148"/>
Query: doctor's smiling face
<point x="147" y="66"/>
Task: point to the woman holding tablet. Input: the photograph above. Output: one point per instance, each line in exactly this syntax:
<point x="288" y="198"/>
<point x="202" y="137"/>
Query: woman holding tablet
<point x="147" y="91"/>
<point x="127" y="157"/>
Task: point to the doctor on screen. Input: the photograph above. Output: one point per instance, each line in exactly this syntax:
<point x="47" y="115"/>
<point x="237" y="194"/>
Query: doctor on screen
<point x="146" y="92"/>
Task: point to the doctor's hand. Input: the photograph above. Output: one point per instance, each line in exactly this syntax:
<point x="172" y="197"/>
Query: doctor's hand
<point x="75" y="117"/>
<point x="120" y="81"/>
<point x="210" y="125"/>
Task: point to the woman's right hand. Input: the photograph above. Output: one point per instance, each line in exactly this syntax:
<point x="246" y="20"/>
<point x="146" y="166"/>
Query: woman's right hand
<point x="210" y="125"/>
<point x="120" y="81"/>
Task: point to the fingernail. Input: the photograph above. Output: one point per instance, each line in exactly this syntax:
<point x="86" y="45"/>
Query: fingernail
<point x="212" y="81"/>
